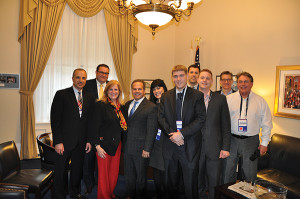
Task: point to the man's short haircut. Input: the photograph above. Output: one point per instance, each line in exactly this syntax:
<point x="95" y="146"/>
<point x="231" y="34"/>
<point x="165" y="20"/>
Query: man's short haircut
<point x="78" y="69"/>
<point x="226" y="73"/>
<point x="179" y="68"/>
<point x="245" y="74"/>
<point x="139" y="80"/>
<point x="194" y="66"/>
<point x="206" y="70"/>
<point x="102" y="65"/>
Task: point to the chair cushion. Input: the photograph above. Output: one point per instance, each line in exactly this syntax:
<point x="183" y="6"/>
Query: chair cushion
<point x="12" y="193"/>
<point x="34" y="178"/>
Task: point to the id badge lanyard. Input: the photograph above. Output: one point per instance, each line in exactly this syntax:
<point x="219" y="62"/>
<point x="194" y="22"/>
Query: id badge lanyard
<point x="242" y="123"/>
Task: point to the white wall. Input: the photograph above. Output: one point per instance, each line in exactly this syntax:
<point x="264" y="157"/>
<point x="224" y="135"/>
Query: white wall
<point x="9" y="63"/>
<point x="249" y="35"/>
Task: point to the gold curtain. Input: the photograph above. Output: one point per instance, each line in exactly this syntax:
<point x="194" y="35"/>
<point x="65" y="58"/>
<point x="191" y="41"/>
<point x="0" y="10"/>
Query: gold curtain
<point x="38" y="25"/>
<point x="37" y="33"/>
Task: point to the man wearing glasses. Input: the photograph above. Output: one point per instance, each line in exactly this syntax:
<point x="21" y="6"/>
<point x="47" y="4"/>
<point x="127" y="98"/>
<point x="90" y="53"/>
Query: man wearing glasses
<point x="250" y="115"/>
<point x="96" y="88"/>
<point x="226" y="83"/>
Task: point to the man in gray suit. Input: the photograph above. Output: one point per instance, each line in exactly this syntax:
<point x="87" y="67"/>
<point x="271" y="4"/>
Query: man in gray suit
<point x="215" y="136"/>
<point x="141" y="119"/>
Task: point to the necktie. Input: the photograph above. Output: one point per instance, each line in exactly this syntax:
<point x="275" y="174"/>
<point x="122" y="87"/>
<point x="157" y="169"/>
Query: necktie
<point x="79" y="102"/>
<point x="100" y="91"/>
<point x="133" y="109"/>
<point x="178" y="106"/>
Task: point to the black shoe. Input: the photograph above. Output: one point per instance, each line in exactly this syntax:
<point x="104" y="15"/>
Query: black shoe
<point x="79" y="196"/>
<point x="88" y="190"/>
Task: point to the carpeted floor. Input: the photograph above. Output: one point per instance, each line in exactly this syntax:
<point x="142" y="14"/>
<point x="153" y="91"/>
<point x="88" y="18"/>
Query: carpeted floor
<point x="119" y="190"/>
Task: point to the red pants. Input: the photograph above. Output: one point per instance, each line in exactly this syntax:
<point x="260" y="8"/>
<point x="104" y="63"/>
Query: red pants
<point x="108" y="171"/>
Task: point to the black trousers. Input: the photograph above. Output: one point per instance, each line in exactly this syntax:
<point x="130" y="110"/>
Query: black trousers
<point x="61" y="166"/>
<point x="135" y="172"/>
<point x="89" y="169"/>
<point x="176" y="165"/>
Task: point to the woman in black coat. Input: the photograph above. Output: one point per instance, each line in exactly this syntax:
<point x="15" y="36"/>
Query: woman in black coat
<point x="108" y="126"/>
<point x="158" y="87"/>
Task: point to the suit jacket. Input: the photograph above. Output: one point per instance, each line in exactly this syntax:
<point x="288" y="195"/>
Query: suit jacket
<point x="106" y="128"/>
<point x="193" y="119"/>
<point x="142" y="128"/>
<point x="91" y="87"/>
<point x="217" y="129"/>
<point x="66" y="124"/>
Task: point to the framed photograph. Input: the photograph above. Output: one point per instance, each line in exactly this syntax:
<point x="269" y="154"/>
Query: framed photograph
<point x="218" y="85"/>
<point x="9" y="81"/>
<point x="147" y="87"/>
<point x="287" y="92"/>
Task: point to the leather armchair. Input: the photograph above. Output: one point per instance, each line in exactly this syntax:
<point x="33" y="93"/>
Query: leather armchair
<point x="39" y="181"/>
<point x="282" y="163"/>
<point x="13" y="191"/>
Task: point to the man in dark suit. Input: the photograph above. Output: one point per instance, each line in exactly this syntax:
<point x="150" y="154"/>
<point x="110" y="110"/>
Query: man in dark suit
<point x="95" y="87"/>
<point x="142" y="128"/>
<point x="193" y="75"/>
<point x="226" y="81"/>
<point x="70" y="111"/>
<point x="216" y="135"/>
<point x="181" y="117"/>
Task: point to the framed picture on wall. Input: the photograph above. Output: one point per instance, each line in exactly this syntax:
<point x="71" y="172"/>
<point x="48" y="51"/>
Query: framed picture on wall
<point x="218" y="85"/>
<point x="147" y="87"/>
<point x="287" y="92"/>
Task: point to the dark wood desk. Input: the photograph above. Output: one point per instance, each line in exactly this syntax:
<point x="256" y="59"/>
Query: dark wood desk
<point x="222" y="191"/>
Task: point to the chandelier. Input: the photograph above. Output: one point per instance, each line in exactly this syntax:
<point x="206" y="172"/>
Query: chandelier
<point x="155" y="14"/>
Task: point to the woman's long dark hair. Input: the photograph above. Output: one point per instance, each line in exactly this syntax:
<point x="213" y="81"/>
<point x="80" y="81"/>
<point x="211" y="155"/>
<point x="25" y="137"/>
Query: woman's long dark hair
<point x="155" y="83"/>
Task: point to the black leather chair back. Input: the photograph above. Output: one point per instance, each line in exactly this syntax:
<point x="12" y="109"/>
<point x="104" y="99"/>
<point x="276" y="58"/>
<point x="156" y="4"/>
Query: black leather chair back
<point x="285" y="154"/>
<point x="9" y="159"/>
<point x="47" y="152"/>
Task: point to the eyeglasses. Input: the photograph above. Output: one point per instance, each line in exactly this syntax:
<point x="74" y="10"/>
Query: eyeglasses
<point x="226" y="80"/>
<point x="245" y="82"/>
<point x="103" y="73"/>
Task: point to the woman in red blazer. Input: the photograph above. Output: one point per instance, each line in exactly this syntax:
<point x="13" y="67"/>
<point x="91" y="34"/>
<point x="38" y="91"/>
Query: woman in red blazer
<point x="108" y="126"/>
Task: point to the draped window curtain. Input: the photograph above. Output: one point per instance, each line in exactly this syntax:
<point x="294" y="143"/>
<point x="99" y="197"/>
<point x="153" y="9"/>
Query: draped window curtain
<point x="38" y="25"/>
<point x="80" y="42"/>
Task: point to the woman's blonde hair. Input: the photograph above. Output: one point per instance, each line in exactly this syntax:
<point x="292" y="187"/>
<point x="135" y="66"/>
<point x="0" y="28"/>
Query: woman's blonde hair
<point x="107" y="87"/>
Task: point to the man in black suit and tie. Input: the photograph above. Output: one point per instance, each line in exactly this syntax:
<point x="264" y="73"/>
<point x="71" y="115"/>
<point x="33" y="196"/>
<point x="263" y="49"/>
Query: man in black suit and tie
<point x="181" y="117"/>
<point x="142" y="128"/>
<point x="95" y="87"/>
<point x="226" y="81"/>
<point x="216" y="135"/>
<point x="70" y="111"/>
<point x="193" y="75"/>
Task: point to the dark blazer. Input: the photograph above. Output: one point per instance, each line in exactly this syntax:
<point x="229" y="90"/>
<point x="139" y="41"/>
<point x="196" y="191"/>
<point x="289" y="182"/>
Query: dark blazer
<point x="106" y="127"/>
<point x="91" y="87"/>
<point x="217" y="129"/>
<point x="219" y="91"/>
<point x="193" y="119"/>
<point x="142" y="128"/>
<point x="66" y="124"/>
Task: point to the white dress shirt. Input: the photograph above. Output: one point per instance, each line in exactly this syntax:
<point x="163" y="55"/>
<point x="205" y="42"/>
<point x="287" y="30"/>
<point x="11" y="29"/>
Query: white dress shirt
<point x="258" y="116"/>
<point x="136" y="106"/>
<point x="98" y="86"/>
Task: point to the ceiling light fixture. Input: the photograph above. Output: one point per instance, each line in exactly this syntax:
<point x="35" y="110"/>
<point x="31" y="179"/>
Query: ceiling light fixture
<point x="155" y="14"/>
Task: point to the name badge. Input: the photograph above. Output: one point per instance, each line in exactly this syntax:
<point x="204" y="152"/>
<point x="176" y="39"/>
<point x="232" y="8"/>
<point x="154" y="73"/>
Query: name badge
<point x="242" y="125"/>
<point x="158" y="135"/>
<point x="179" y="125"/>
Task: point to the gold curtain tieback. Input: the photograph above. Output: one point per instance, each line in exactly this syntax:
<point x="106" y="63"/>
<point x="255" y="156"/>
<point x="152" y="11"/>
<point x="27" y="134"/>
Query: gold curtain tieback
<point x="26" y="92"/>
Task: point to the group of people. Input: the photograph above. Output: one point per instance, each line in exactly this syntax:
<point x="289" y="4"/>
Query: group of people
<point x="190" y="136"/>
